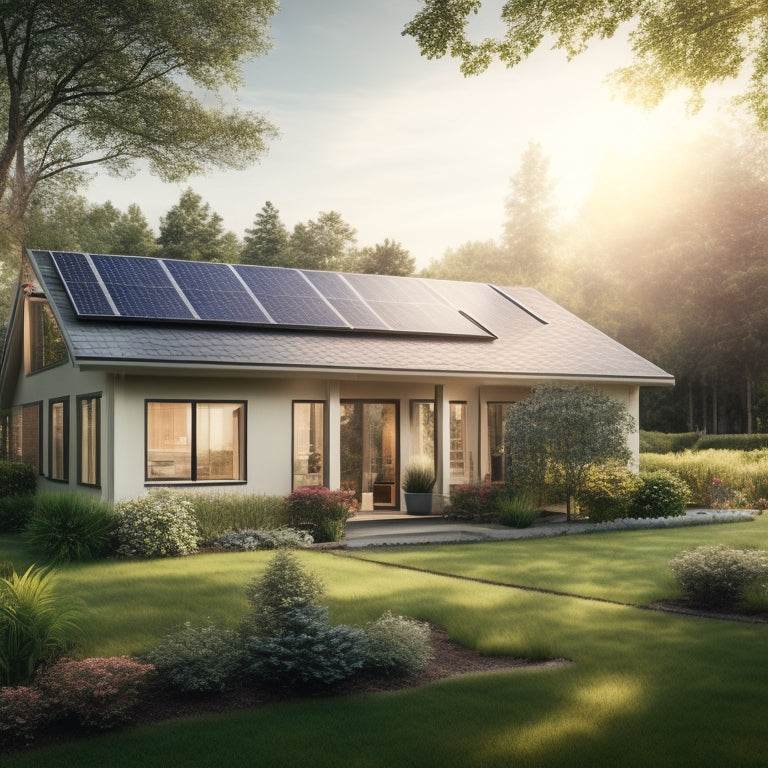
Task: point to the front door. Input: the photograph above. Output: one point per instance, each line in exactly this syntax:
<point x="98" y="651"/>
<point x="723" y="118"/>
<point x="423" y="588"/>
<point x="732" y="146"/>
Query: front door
<point x="369" y="456"/>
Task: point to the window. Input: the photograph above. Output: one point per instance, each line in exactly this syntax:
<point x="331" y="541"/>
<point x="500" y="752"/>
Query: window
<point x="497" y="419"/>
<point x="308" y="445"/>
<point x="58" y="439"/>
<point x="22" y="440"/>
<point x="46" y="345"/>
<point x="460" y="458"/>
<point x="198" y="441"/>
<point x="88" y="440"/>
<point x="423" y="429"/>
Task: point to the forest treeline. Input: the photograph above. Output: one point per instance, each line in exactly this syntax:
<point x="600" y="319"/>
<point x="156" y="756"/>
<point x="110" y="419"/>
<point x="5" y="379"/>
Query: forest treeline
<point x="668" y="255"/>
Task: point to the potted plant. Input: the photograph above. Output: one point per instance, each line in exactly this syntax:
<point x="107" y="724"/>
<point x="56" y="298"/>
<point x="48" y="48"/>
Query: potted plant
<point x="418" y="482"/>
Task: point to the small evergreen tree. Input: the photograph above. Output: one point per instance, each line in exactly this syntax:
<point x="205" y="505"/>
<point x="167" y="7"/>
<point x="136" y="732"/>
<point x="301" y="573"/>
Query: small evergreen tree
<point x="267" y="241"/>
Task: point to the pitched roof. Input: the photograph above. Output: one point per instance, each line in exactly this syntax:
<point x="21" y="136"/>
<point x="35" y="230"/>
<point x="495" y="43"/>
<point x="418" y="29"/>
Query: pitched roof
<point x="534" y="337"/>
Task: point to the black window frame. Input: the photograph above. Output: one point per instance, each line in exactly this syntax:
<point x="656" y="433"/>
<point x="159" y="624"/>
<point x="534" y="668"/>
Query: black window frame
<point x="65" y="401"/>
<point x="95" y="396"/>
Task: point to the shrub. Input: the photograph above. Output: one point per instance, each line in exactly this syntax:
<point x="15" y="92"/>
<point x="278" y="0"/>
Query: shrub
<point x="308" y="651"/>
<point x="323" y="511"/>
<point x="36" y="625"/>
<point x="283" y="538"/>
<point x="475" y="501"/>
<point x="398" y="645"/>
<point x="69" y="526"/>
<point x="23" y="713"/>
<point x="419" y="476"/>
<point x="158" y="525"/>
<point x="17" y="479"/>
<point x="754" y="442"/>
<point x="15" y="512"/>
<point x="284" y="585"/>
<point x="723" y="497"/>
<point x="97" y="693"/>
<point x="198" y="659"/>
<point x="608" y="493"/>
<point x="217" y="513"/>
<point x="664" y="442"/>
<point x="717" y="576"/>
<point x="661" y="494"/>
<point x="518" y="509"/>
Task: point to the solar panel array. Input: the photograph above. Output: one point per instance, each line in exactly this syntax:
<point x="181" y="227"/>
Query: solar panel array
<point x="140" y="288"/>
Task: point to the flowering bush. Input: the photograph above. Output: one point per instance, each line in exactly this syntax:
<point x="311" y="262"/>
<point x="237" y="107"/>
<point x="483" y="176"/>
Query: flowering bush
<point x="398" y="645"/>
<point x="323" y="511"/>
<point x="475" y="501"/>
<point x="23" y="712"/>
<point x="97" y="693"/>
<point x="198" y="659"/>
<point x="282" y="538"/>
<point x="723" y="497"/>
<point x="159" y="525"/>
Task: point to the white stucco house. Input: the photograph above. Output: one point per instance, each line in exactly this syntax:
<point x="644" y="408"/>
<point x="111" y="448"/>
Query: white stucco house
<point x="120" y="374"/>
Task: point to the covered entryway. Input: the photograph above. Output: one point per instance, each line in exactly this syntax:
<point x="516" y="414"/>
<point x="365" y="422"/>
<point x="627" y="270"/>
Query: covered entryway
<point x="369" y="451"/>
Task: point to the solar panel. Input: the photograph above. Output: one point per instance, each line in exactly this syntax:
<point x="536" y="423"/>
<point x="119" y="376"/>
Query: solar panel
<point x="81" y="283"/>
<point x="139" y="288"/>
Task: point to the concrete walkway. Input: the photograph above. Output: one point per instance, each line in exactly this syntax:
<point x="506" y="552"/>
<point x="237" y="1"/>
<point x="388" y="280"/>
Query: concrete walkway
<point x="374" y="530"/>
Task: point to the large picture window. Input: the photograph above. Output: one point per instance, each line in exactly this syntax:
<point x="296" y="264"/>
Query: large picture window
<point x="58" y="439"/>
<point x="88" y="440"/>
<point x="197" y="441"/>
<point x="308" y="444"/>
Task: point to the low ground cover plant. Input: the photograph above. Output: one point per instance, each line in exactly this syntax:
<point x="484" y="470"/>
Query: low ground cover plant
<point x="158" y="525"/>
<point x="717" y="576"/>
<point x="71" y="526"/>
<point x="249" y="540"/>
<point x="321" y="511"/>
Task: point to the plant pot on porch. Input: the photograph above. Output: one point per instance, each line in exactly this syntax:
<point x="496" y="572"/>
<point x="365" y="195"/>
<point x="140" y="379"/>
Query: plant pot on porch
<point x="418" y="503"/>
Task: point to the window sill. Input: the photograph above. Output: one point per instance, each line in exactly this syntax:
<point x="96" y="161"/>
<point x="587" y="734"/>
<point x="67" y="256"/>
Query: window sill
<point x="190" y="483"/>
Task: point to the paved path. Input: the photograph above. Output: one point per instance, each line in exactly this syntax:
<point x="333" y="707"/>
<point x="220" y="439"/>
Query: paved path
<point x="381" y="530"/>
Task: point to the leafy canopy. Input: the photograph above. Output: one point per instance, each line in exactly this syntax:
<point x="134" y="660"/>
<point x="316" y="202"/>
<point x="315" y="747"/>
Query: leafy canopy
<point x="560" y="431"/>
<point x="676" y="43"/>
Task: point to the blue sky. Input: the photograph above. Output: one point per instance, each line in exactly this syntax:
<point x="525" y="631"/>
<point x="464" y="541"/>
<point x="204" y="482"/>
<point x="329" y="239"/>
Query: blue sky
<point x="403" y="147"/>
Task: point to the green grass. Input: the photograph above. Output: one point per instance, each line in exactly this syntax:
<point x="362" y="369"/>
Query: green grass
<point x="643" y="689"/>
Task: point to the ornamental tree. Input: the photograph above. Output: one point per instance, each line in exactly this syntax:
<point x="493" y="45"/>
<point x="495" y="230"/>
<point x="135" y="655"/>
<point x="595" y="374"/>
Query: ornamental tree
<point x="562" y="430"/>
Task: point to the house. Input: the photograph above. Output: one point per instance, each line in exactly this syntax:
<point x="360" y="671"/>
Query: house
<point x="123" y="373"/>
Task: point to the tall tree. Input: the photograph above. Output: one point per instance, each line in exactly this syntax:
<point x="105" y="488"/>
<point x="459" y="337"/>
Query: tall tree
<point x="676" y="44"/>
<point x="266" y="242"/>
<point x="91" y="82"/>
<point x="190" y="230"/>
<point x="387" y="258"/>
<point x="478" y="260"/>
<point x="529" y="228"/>
<point x="326" y="243"/>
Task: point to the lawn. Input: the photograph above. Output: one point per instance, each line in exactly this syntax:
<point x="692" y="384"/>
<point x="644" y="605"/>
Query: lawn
<point x="644" y="688"/>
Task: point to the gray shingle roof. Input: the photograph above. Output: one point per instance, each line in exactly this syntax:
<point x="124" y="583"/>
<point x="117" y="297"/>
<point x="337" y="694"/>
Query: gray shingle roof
<point x="535" y="337"/>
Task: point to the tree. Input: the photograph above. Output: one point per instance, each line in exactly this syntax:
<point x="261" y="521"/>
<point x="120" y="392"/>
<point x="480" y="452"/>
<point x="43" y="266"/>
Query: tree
<point x="132" y="235"/>
<point x="90" y="82"/>
<point x="324" y="244"/>
<point x="560" y="431"/>
<point x="529" y="228"/>
<point x="267" y="242"/>
<point x="479" y="260"/>
<point x="191" y="231"/>
<point x="387" y="258"/>
<point x="676" y="44"/>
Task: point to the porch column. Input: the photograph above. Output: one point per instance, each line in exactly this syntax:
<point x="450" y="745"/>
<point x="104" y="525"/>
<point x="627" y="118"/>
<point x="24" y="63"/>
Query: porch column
<point x="442" y="442"/>
<point x="333" y="435"/>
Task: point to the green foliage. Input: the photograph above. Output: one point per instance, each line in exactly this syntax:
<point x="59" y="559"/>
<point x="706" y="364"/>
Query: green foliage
<point x="387" y="258"/>
<point x="159" y="525"/>
<point x="398" y="645"/>
<point x="99" y="694"/>
<point x="323" y="511"/>
<point x="609" y="493"/>
<point x="218" y="513"/>
<point x="665" y="442"/>
<point x="475" y="501"/>
<point x="15" y="512"/>
<point x="732" y="442"/>
<point x="419" y="476"/>
<point x="70" y="526"/>
<point x="661" y="494"/>
<point x="517" y="509"/>
<point x="198" y="660"/>
<point x="24" y="712"/>
<point x="36" y="625"/>
<point x="249" y="540"/>
<point x="267" y="242"/>
<point x="326" y="243"/>
<point x="17" y="479"/>
<point x="717" y="576"/>
<point x="559" y="432"/>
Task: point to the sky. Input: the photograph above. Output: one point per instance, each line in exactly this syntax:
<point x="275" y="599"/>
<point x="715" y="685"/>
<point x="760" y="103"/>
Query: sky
<point x="407" y="148"/>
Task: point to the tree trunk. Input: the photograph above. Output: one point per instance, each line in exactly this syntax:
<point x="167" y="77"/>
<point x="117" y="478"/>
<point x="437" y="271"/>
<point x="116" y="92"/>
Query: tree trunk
<point x="749" y="404"/>
<point x="690" y="406"/>
<point x="714" y="409"/>
<point x="703" y="407"/>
